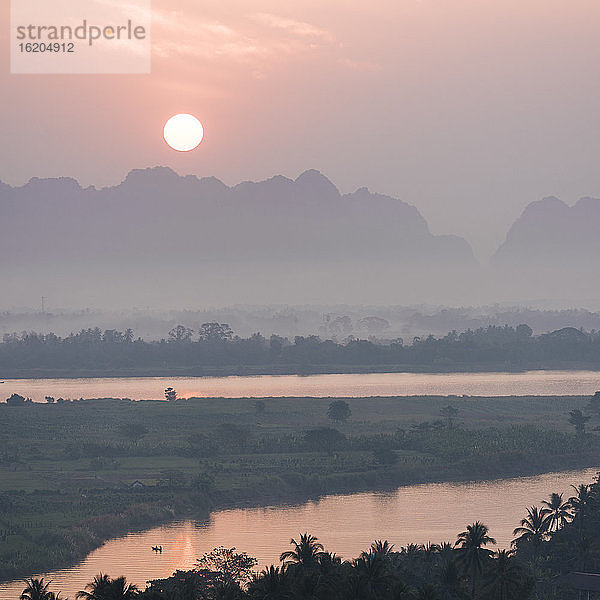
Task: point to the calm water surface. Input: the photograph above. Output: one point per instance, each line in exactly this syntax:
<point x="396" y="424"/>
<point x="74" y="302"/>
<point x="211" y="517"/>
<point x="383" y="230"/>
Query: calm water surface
<point x="345" y="524"/>
<point x="542" y="383"/>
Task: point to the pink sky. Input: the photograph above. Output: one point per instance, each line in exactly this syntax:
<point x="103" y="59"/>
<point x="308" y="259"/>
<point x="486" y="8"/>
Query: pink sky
<point x="468" y="109"/>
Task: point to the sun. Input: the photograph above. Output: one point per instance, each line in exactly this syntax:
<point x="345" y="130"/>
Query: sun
<point x="183" y="132"/>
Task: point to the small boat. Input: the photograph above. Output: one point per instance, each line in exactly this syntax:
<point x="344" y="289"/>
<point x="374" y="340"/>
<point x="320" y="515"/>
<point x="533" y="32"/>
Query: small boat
<point x="157" y="549"/>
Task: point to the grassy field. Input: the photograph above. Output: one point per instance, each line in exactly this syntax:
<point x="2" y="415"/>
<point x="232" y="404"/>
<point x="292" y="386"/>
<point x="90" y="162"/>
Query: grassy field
<point x="66" y="470"/>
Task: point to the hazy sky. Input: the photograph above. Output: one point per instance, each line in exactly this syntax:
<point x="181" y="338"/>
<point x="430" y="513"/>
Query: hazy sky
<point x="468" y="109"/>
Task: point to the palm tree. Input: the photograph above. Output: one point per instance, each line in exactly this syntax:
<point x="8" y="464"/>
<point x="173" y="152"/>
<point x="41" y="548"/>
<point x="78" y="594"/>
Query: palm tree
<point x="330" y="569"/>
<point x="372" y="577"/>
<point x="412" y="552"/>
<point x="306" y="587"/>
<point x="271" y="584"/>
<point x="446" y="552"/>
<point x="98" y="588"/>
<point x="102" y="587"/>
<point x="430" y="552"/>
<point x="533" y="528"/>
<point x="532" y="531"/>
<point x="229" y="590"/>
<point x="504" y="577"/>
<point x="471" y="552"/>
<point x="329" y="561"/>
<point x="582" y="501"/>
<point x="557" y="511"/>
<point x="306" y="552"/>
<point x="121" y="590"/>
<point x="382" y="549"/>
<point x="36" y="589"/>
<point x="352" y="588"/>
<point x="450" y="581"/>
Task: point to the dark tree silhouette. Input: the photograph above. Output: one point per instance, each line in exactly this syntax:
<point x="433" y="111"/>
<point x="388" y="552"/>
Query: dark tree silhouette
<point x="339" y="411"/>
<point x="557" y="512"/>
<point x="324" y="439"/>
<point x="382" y="549"/>
<point x="533" y="528"/>
<point x="532" y="532"/>
<point x="306" y="553"/>
<point x="582" y="504"/>
<point x="594" y="403"/>
<point x="104" y="588"/>
<point x="449" y="413"/>
<point x="15" y="400"/>
<point x="181" y="334"/>
<point x="583" y="499"/>
<point x="504" y="578"/>
<point x="232" y="566"/>
<point x="472" y="555"/>
<point x="450" y="581"/>
<point x="270" y="584"/>
<point x="578" y="420"/>
<point x="36" y="589"/>
<point x="373" y="578"/>
<point x="215" y="332"/>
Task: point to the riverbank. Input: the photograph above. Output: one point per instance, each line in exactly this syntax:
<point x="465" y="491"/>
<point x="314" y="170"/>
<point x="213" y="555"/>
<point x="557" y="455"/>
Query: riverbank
<point x="89" y="535"/>
<point x="295" y="369"/>
<point x="76" y="474"/>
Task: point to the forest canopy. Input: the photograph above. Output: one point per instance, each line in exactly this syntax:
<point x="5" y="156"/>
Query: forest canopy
<point x="215" y="346"/>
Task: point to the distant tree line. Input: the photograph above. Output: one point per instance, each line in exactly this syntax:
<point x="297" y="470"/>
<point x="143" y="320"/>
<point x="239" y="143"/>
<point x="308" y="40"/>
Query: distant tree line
<point x="214" y="345"/>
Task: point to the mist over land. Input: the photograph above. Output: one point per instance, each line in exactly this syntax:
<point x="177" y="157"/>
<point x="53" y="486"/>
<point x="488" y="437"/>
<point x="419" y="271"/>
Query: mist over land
<point x="161" y="240"/>
<point x="175" y="241"/>
<point x="337" y="322"/>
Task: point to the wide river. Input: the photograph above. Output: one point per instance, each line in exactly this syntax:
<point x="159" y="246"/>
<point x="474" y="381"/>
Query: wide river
<point x="541" y="383"/>
<point x="346" y="524"/>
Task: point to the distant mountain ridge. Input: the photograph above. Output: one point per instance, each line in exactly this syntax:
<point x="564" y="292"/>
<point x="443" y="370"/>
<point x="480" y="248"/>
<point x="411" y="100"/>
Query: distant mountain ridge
<point x="269" y="241"/>
<point x="164" y="240"/>
<point x="551" y="252"/>
<point x="549" y="229"/>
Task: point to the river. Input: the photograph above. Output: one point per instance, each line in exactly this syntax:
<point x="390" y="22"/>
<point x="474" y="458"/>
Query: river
<point x="345" y="524"/>
<point x="539" y="383"/>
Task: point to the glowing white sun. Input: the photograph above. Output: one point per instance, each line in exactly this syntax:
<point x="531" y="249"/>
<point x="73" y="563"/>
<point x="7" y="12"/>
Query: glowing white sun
<point x="183" y="132"/>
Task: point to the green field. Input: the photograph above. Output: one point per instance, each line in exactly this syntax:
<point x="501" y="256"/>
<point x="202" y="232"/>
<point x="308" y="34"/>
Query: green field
<point x="66" y="470"/>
